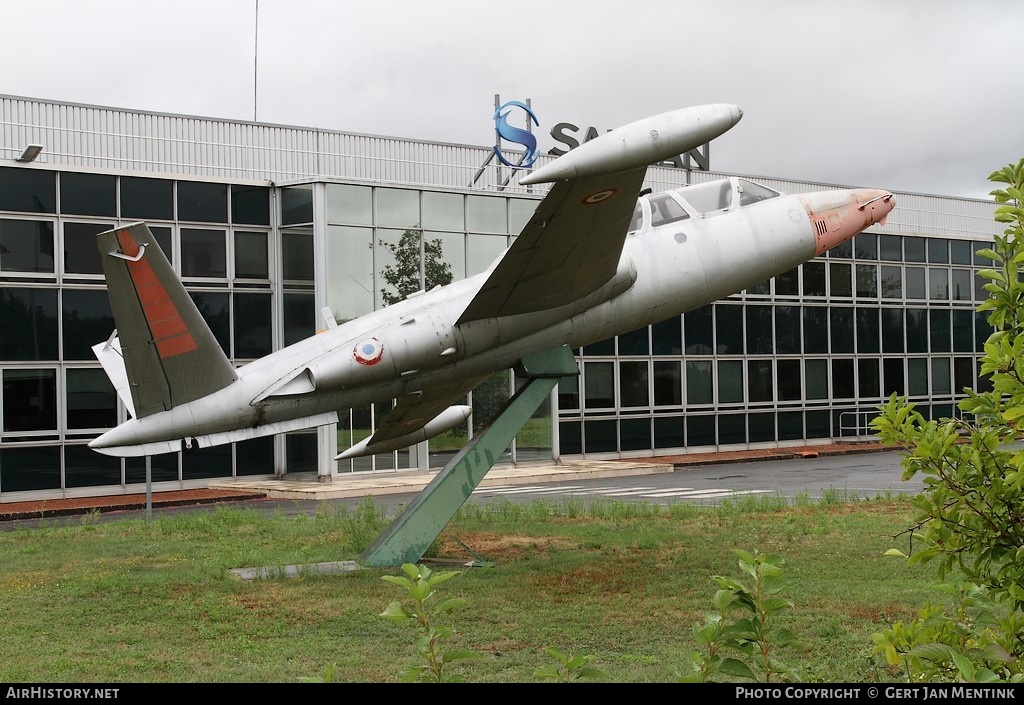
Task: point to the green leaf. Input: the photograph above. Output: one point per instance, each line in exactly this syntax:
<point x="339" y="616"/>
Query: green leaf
<point x="737" y="668"/>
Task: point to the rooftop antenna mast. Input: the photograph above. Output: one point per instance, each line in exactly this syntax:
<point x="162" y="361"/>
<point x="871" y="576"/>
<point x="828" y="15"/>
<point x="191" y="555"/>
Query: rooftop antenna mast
<point x="255" y="58"/>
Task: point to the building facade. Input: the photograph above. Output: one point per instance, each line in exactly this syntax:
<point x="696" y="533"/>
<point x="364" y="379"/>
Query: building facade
<point x="272" y="227"/>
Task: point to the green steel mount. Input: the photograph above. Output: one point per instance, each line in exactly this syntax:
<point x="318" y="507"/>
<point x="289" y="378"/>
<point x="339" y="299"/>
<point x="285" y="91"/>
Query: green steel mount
<point x="415" y="529"/>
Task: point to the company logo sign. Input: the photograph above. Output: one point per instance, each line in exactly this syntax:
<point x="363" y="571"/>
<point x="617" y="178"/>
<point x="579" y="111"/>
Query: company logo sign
<point x="515" y="134"/>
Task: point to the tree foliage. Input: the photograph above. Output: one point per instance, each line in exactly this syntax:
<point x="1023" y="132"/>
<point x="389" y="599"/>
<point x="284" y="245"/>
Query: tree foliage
<point x="970" y="517"/>
<point x="403" y="277"/>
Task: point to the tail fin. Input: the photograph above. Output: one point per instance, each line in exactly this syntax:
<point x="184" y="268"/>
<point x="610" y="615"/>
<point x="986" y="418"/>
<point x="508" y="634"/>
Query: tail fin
<point x="170" y="354"/>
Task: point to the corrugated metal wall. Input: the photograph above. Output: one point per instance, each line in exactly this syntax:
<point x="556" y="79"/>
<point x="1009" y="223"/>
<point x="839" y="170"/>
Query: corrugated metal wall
<point x="99" y="138"/>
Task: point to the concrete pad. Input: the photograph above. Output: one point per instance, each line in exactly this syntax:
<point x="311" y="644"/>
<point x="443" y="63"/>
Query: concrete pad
<point x="295" y="571"/>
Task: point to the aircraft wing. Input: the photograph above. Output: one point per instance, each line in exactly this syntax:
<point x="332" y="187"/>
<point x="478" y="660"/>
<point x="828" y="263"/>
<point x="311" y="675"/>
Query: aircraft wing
<point x="570" y="247"/>
<point x="414" y="411"/>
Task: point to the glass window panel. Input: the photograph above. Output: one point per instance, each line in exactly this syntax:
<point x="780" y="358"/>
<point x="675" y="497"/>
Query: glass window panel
<point x="980" y="261"/>
<point x="963" y="330"/>
<point x="938" y="280"/>
<point x="300" y="452"/>
<point x="892" y="282"/>
<point x="938" y="251"/>
<point x="84" y="467"/>
<point x="203" y="253"/>
<point x="732" y="429"/>
<point x="214" y="308"/>
<point x="728" y="329"/>
<point x="791" y="425"/>
<point x="163" y="468"/>
<point x="788" y="283"/>
<point x="634" y="384"/>
<point x="24" y="469"/>
<point x="668" y="383"/>
<point x="520" y="210"/>
<point x="28" y="319"/>
<point x="299" y="317"/>
<point x="762" y="289"/>
<point x="668" y="432"/>
<point x="842" y="379"/>
<point x="252" y="325"/>
<point x="199" y="463"/>
<point x="600" y="436"/>
<point x="296" y="205"/>
<point x="86" y="320"/>
<point x="350" y="261"/>
<point x="398" y="208"/>
<point x="787" y="330"/>
<point x="602" y="347"/>
<point x="668" y="336"/>
<point x="26" y="246"/>
<point x="914" y="249"/>
<point x="569" y="392"/>
<point x="250" y="205"/>
<point x="867" y="378"/>
<point x="635" y="342"/>
<point x="940" y="376"/>
<point x="162" y="235"/>
<point x="844" y="250"/>
<point x="147" y="199"/>
<point x="699" y="383"/>
<point x="979" y="289"/>
<point x="841" y="329"/>
<point x="730" y="381"/>
<point x="917" y="373"/>
<point x="255" y="456"/>
<point x="960" y="252"/>
<point x="30" y="400"/>
<point x="570" y="437"/>
<point x="938" y="324"/>
<point x="788" y="376"/>
<point x="759" y="330"/>
<point x="839" y="279"/>
<point x="297" y="254"/>
<point x="892" y="330"/>
<point x="963" y="285"/>
<point x="81" y="256"/>
<point x="982" y="331"/>
<point x="348" y="204"/>
<point x="760" y="380"/>
<point x="761" y="427"/>
<point x="599" y="385"/>
<point x="91" y="399"/>
<point x="814" y="278"/>
<point x="700" y="431"/>
<point x="28" y="190"/>
<point x="635" y="434"/>
<point x="699" y="329"/>
<point x="251" y="260"/>
<point x="893" y="377"/>
<point x="917" y="329"/>
<point x="88" y="194"/>
<point x="481" y="251"/>
<point x="202" y="202"/>
<point x="446" y="257"/>
<point x="865" y="246"/>
<point x="815" y="325"/>
<point x="486" y="214"/>
<point x="397" y="263"/>
<point x="890" y="248"/>
<point x="915" y="283"/>
<point x="963" y="374"/>
<point x="445" y="211"/>
<point x="867" y="330"/>
<point x="867" y="280"/>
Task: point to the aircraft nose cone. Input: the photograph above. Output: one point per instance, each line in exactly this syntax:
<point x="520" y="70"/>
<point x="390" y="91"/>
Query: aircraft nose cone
<point x="736" y="112"/>
<point x="836" y="216"/>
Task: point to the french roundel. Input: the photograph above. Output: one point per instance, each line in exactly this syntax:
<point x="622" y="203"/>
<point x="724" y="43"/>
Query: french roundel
<point x="599" y="196"/>
<point x="368" y="352"/>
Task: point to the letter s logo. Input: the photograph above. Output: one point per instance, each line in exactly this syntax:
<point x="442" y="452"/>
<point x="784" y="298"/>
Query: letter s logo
<point x="514" y="134"/>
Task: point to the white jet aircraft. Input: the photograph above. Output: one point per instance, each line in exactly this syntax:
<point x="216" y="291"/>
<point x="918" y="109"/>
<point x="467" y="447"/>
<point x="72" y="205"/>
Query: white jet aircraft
<point x="595" y="260"/>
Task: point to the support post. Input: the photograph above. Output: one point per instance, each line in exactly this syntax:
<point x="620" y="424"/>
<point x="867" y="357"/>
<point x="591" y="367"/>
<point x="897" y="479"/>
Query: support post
<point x="411" y="534"/>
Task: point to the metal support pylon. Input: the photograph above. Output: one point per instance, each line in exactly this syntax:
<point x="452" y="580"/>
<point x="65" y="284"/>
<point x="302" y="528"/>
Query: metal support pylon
<point x="411" y="534"/>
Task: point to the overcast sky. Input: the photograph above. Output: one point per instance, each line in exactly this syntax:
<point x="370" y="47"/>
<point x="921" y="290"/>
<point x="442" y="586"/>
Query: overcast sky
<point x="912" y="95"/>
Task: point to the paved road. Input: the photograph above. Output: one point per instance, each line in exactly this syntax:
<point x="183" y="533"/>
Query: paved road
<point x="855" y="475"/>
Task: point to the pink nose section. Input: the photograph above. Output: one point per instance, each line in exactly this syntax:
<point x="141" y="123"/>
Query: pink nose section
<point x="836" y="216"/>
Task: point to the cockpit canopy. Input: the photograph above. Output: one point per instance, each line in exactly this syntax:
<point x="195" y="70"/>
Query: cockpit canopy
<point x="700" y="200"/>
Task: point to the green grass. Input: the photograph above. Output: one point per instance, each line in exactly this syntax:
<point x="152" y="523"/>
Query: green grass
<point x="131" y="601"/>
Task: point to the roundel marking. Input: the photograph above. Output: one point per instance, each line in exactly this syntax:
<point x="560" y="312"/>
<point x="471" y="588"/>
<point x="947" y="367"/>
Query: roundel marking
<point x="599" y="196"/>
<point x="368" y="352"/>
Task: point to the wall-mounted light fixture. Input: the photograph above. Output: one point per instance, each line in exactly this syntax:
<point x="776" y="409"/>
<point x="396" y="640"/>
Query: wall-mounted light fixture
<point x="30" y="152"/>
